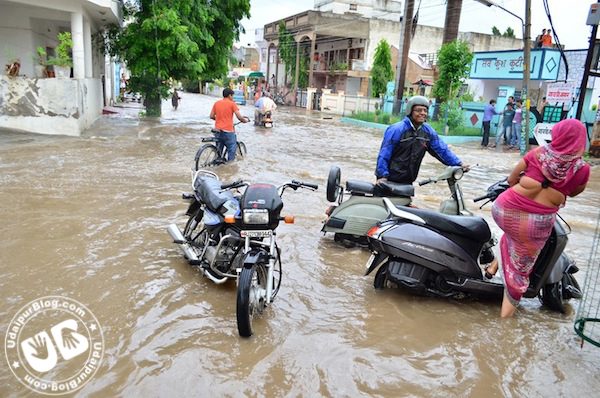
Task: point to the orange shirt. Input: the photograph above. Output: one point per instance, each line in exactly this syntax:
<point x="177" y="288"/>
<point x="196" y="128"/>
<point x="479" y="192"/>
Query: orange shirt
<point x="224" y="110"/>
<point x="547" y="40"/>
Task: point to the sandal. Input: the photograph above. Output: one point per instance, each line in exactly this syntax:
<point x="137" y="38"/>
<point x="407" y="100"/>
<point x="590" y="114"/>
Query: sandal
<point x="491" y="269"/>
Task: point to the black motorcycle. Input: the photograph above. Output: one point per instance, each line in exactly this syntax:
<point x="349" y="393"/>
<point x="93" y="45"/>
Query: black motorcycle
<point x="232" y="236"/>
<point x="430" y="253"/>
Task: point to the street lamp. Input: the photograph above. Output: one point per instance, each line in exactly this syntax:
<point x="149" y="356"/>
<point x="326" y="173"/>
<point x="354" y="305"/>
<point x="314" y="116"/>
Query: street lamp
<point x="526" y="26"/>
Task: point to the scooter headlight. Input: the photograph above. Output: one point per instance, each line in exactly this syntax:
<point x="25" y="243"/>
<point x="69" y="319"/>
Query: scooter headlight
<point x="458" y="174"/>
<point x="256" y="216"/>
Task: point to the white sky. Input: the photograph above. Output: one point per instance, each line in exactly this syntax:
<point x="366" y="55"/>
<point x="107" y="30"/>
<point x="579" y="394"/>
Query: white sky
<point x="568" y="17"/>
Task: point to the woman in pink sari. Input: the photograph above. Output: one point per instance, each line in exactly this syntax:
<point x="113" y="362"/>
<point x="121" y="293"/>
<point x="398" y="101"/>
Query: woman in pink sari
<point x="539" y="186"/>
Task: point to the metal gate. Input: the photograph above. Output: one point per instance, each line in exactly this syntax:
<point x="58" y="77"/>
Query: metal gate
<point x="301" y="98"/>
<point x="316" y="101"/>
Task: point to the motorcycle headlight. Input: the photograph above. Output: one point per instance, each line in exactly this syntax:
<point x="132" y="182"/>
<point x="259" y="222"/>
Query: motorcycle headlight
<point x="458" y="174"/>
<point x="256" y="216"/>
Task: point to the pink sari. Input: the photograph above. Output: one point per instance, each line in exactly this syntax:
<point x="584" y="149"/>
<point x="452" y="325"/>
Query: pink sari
<point x="526" y="225"/>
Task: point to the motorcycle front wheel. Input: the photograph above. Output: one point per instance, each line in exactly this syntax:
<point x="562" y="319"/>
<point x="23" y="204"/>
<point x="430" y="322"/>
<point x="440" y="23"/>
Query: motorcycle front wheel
<point x="251" y="297"/>
<point x="206" y="156"/>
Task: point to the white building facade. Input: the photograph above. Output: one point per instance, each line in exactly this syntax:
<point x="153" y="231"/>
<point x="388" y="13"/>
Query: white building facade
<point x="55" y="105"/>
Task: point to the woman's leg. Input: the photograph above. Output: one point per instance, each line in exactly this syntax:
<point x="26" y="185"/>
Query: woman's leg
<point x="508" y="309"/>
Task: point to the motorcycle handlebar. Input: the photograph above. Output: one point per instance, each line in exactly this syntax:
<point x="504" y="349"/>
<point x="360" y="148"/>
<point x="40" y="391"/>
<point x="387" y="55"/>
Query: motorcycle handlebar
<point x="305" y="184"/>
<point x="425" y="182"/>
<point x="234" y="184"/>
<point x="480" y="198"/>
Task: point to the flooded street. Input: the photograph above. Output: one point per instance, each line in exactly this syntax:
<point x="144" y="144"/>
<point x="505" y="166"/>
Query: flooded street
<point x="86" y="218"/>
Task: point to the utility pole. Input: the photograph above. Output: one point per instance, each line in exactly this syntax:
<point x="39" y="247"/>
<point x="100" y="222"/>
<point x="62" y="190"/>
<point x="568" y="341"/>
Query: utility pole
<point x="526" y="73"/>
<point x="404" y="46"/>
<point x="586" y="71"/>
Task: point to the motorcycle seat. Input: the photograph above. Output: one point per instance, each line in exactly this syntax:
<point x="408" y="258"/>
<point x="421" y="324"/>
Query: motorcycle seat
<point x="384" y="189"/>
<point x="472" y="227"/>
<point x="208" y="191"/>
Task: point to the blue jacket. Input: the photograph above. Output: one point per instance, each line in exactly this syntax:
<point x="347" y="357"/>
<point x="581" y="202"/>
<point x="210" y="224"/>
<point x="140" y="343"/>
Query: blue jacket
<point x="403" y="148"/>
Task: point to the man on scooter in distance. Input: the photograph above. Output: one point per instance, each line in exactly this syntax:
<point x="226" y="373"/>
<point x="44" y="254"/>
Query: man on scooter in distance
<point x="404" y="145"/>
<point x="222" y="113"/>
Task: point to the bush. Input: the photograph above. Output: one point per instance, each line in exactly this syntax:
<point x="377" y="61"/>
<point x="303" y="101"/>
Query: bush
<point x="191" y="86"/>
<point x="454" y="114"/>
<point x="385" y="119"/>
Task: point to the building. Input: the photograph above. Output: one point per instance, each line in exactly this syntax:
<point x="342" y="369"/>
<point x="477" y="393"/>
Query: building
<point x="339" y="39"/>
<point x="55" y="105"/>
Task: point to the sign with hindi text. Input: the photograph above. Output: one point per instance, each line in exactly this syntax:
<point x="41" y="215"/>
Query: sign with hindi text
<point x="544" y="65"/>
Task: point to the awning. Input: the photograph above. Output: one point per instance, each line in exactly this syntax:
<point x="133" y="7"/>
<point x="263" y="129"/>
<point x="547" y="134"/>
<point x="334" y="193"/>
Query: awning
<point x="422" y="82"/>
<point x="256" y="74"/>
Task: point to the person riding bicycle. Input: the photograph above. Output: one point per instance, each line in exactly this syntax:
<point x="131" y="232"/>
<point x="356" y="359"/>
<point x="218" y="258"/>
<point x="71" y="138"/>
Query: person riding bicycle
<point x="222" y="113"/>
<point x="262" y="106"/>
<point x="404" y="145"/>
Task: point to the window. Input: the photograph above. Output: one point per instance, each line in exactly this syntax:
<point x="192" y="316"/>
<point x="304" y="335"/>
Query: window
<point x="353" y="7"/>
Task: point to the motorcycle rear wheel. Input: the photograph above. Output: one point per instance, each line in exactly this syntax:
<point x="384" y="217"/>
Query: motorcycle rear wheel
<point x="206" y="156"/>
<point x="251" y="297"/>
<point x="552" y="296"/>
<point x="381" y="277"/>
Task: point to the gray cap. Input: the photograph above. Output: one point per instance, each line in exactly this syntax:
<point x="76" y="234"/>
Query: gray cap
<point x="416" y="100"/>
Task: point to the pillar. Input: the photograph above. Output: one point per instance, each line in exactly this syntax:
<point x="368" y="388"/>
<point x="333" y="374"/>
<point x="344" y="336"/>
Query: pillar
<point x="297" y="74"/>
<point x="87" y="49"/>
<point x="311" y="60"/>
<point x="78" y="52"/>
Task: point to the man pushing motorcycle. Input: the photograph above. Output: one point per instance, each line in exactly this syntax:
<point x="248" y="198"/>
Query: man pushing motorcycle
<point x="405" y="143"/>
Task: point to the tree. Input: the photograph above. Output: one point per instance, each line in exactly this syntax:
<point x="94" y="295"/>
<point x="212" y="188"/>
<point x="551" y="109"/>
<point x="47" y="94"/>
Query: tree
<point x="454" y="64"/>
<point x="287" y="50"/>
<point x="496" y="31"/>
<point x="175" y="39"/>
<point x="509" y="33"/>
<point x="382" y="71"/>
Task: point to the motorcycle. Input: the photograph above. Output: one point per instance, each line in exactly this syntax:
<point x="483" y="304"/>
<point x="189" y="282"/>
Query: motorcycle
<point x="231" y="236"/>
<point x="264" y="120"/>
<point x="434" y="254"/>
<point x="350" y="220"/>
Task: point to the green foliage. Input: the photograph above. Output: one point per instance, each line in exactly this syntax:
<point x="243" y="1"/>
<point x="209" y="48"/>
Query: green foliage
<point x="381" y="71"/>
<point x="439" y="126"/>
<point x="287" y="50"/>
<point x="509" y="33"/>
<point x="373" y="118"/>
<point x="175" y="39"/>
<point x="385" y="118"/>
<point x="63" y="49"/>
<point x="41" y="55"/>
<point x="303" y="72"/>
<point x="454" y="114"/>
<point x="496" y="31"/>
<point x="191" y="85"/>
<point x="454" y="63"/>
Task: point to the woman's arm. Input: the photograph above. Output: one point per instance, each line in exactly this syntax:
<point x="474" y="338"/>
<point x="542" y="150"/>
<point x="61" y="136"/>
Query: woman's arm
<point x="515" y="175"/>
<point x="578" y="190"/>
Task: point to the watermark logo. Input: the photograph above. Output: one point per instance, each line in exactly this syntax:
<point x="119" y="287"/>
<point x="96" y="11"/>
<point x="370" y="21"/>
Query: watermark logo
<point x="54" y="345"/>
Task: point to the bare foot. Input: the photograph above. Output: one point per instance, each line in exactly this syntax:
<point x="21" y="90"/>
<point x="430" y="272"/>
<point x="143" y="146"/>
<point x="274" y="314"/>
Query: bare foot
<point x="491" y="269"/>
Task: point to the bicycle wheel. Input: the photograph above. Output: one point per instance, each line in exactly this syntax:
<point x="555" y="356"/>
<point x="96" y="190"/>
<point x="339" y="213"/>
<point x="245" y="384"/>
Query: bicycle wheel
<point x="241" y="150"/>
<point x="206" y="156"/>
<point x="251" y="297"/>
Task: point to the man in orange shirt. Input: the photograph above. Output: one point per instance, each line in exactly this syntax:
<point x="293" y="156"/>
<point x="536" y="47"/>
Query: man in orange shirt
<point x="222" y="113"/>
<point x="547" y="39"/>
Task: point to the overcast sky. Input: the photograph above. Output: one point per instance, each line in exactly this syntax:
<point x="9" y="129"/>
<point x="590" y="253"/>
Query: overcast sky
<point x="568" y="17"/>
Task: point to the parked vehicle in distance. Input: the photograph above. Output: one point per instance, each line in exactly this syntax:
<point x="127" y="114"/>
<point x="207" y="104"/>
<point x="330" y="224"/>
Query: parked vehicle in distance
<point x="238" y="97"/>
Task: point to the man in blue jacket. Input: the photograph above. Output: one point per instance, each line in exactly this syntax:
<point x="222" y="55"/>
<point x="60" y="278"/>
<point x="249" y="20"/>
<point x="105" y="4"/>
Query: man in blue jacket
<point x="405" y="143"/>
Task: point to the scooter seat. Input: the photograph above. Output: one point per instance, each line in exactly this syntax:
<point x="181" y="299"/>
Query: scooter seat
<point x="208" y="191"/>
<point x="388" y="188"/>
<point x="472" y="227"/>
<point x="356" y="186"/>
<point x="395" y="189"/>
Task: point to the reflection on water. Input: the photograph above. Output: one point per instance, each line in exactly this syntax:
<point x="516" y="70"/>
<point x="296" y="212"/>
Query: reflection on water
<point x="86" y="218"/>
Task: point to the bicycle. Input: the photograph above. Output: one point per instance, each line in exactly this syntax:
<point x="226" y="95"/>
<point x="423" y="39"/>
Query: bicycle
<point x="208" y="154"/>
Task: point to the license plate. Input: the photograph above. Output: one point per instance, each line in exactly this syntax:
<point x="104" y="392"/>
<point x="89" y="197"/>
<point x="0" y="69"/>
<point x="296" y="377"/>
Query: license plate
<point x="256" y="234"/>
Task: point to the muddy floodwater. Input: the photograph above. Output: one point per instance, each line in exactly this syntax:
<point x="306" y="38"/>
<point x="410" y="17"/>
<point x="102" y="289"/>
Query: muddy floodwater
<point x="86" y="218"/>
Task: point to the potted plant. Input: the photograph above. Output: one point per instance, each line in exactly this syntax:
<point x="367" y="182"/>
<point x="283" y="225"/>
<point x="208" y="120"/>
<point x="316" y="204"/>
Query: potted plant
<point x="62" y="62"/>
<point x="40" y="68"/>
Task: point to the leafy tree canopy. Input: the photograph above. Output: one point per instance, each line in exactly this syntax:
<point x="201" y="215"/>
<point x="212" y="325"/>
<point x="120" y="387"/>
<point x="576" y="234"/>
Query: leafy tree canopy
<point x="382" y="71"/>
<point x="454" y="64"/>
<point x="509" y="33"/>
<point x="175" y="39"/>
